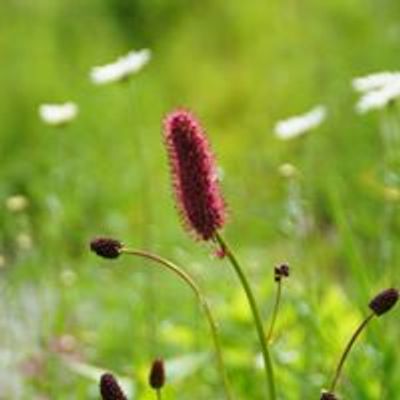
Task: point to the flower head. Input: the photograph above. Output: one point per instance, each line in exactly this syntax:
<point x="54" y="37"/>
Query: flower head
<point x="110" y="389"/>
<point x="328" y="396"/>
<point x="194" y="174"/>
<point x="299" y="125"/>
<point x="384" y="301"/>
<point x="121" y="69"/>
<point x="58" y="114"/>
<point x="377" y="90"/>
<point x="106" y="247"/>
<point x="281" y="271"/>
<point x="374" y="81"/>
<point x="157" y="374"/>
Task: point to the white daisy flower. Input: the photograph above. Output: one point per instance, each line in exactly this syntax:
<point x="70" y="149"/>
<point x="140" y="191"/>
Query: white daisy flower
<point x="17" y="203"/>
<point x="379" y="98"/>
<point x="121" y="69"/>
<point x="58" y="114"/>
<point x="298" y="125"/>
<point x="374" y="81"/>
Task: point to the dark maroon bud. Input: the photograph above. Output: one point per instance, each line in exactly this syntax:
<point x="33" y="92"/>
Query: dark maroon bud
<point x="384" y="301"/>
<point x="157" y="374"/>
<point x="328" y="396"/>
<point x="282" y="271"/>
<point x="110" y="389"/>
<point x="106" y="247"/>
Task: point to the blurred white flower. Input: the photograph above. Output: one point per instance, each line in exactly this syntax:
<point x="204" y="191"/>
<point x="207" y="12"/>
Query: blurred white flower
<point x="298" y="125"/>
<point x="24" y="241"/>
<point x="287" y="170"/>
<point x="121" y="69"/>
<point x="68" y="277"/>
<point x="379" y="98"/>
<point x="58" y="114"/>
<point x="2" y="261"/>
<point x="17" y="203"/>
<point x="374" y="81"/>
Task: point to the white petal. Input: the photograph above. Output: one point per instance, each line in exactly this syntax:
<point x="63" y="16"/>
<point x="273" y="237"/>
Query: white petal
<point x="377" y="99"/>
<point x="374" y="81"/>
<point x="58" y="114"/>
<point x="298" y="125"/>
<point x="122" y="68"/>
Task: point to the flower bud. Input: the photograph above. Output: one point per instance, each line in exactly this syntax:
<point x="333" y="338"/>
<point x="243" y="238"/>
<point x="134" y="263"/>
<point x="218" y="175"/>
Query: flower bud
<point x="157" y="374"/>
<point x="110" y="389"/>
<point x="106" y="247"/>
<point x="328" y="396"/>
<point x="384" y="301"/>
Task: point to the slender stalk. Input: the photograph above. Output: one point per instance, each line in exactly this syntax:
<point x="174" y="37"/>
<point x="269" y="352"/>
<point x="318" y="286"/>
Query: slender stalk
<point x="159" y="396"/>
<point x="256" y="315"/>
<point x="135" y="104"/>
<point x="184" y="276"/>
<point x="347" y="351"/>
<point x="275" y="312"/>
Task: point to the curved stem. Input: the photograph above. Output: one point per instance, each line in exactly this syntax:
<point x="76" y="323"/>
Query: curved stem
<point x="256" y="315"/>
<point x="347" y="351"/>
<point x="275" y="312"/>
<point x="184" y="276"/>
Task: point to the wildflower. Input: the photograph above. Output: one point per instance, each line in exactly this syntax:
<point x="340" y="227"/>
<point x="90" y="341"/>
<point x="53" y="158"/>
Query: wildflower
<point x="121" y="69"/>
<point x="379" y="98"/>
<point x="384" y="301"/>
<point x="378" y="80"/>
<point x="299" y="125"/>
<point x="328" y="396"/>
<point x="58" y="114"/>
<point x="106" y="247"/>
<point x="110" y="389"/>
<point x="282" y="271"/>
<point x="157" y="374"/>
<point x="194" y="175"/>
<point x="17" y="203"/>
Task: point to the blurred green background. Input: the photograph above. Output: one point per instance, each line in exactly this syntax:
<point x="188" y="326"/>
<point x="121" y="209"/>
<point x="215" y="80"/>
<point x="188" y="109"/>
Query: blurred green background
<point x="65" y="315"/>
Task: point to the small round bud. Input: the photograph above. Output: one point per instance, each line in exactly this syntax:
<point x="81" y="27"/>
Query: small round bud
<point x="281" y="271"/>
<point x="110" y="389"/>
<point x="106" y="247"/>
<point x="328" y="396"/>
<point x="384" y="301"/>
<point x="157" y="374"/>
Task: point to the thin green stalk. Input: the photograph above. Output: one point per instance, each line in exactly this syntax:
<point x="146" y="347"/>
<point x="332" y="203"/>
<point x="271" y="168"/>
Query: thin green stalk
<point x="275" y="312"/>
<point x="347" y="351"/>
<point x="256" y="315"/>
<point x="183" y="275"/>
<point x="159" y="396"/>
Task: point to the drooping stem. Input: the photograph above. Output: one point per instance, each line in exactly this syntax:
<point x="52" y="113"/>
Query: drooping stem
<point x="275" y="311"/>
<point x="256" y="314"/>
<point x="347" y="351"/>
<point x="185" y="277"/>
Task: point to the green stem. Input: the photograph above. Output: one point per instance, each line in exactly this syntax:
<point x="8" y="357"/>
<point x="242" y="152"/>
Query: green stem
<point x="256" y="315"/>
<point x="159" y="396"/>
<point x="347" y="351"/>
<point x="183" y="275"/>
<point x="275" y="312"/>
